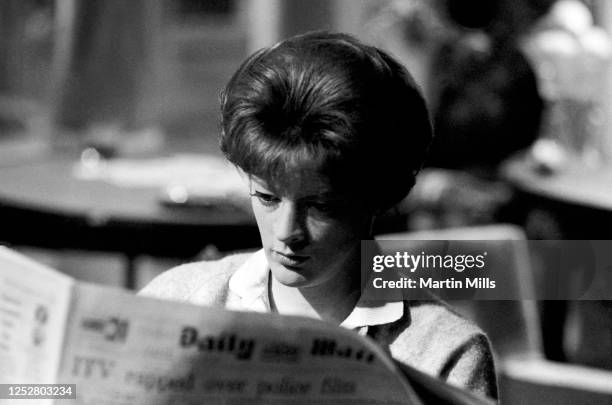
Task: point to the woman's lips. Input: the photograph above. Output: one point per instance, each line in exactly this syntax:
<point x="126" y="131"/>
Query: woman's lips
<point x="289" y="260"/>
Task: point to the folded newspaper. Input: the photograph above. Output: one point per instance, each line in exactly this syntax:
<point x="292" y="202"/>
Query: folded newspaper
<point x="114" y="347"/>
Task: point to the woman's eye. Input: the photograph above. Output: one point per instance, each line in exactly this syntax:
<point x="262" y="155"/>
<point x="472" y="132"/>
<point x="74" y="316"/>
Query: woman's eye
<point x="325" y="207"/>
<point x="265" y="199"/>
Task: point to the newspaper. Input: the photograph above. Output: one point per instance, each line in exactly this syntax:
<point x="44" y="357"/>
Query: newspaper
<point x="119" y="348"/>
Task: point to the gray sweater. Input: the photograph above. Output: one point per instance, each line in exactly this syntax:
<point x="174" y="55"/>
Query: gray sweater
<point x="429" y="336"/>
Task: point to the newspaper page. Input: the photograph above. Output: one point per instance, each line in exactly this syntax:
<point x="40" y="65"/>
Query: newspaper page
<point x="122" y="349"/>
<point x="34" y="303"/>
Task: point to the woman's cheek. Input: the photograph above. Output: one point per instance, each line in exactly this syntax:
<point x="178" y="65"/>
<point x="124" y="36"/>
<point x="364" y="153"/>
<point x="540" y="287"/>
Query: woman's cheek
<point x="322" y="229"/>
<point x="336" y="234"/>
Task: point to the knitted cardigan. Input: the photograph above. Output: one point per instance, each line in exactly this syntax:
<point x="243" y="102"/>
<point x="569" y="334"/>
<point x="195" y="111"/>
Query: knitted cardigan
<point x="429" y="336"/>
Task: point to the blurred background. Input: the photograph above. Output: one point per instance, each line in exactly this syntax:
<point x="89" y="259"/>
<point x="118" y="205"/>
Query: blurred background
<point x="109" y="119"/>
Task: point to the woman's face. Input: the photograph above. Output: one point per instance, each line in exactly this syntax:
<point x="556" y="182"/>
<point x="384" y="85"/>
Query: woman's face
<point x="310" y="234"/>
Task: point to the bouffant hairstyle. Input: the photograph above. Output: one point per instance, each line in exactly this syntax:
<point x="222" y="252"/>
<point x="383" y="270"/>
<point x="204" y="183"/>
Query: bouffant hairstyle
<point x="328" y="101"/>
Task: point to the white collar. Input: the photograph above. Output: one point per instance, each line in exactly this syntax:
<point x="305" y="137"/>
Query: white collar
<point x="250" y="283"/>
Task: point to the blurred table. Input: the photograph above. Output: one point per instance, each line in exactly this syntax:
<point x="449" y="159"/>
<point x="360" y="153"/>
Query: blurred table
<point x="43" y="205"/>
<point x="574" y="202"/>
<point x="578" y="197"/>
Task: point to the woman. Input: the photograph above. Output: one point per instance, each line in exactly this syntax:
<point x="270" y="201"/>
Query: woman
<point x="330" y="132"/>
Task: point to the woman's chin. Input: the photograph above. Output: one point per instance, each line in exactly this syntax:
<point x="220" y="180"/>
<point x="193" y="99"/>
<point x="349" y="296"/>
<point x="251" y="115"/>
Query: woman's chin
<point x="290" y="277"/>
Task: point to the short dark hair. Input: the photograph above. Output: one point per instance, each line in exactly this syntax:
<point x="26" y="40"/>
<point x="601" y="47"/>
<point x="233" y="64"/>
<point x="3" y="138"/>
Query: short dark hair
<point x="327" y="99"/>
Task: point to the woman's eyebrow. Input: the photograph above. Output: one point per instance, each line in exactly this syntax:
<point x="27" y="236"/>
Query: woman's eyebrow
<point x="259" y="184"/>
<point x="326" y="195"/>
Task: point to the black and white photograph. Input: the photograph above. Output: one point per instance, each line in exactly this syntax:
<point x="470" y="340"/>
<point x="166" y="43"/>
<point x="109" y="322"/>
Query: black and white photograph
<point x="306" y="202"/>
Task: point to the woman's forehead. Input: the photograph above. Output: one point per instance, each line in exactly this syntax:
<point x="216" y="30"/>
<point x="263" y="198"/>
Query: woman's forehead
<point x="302" y="183"/>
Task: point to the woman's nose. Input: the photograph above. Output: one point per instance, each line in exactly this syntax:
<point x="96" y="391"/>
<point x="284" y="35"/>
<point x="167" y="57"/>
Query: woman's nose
<point x="289" y="225"/>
